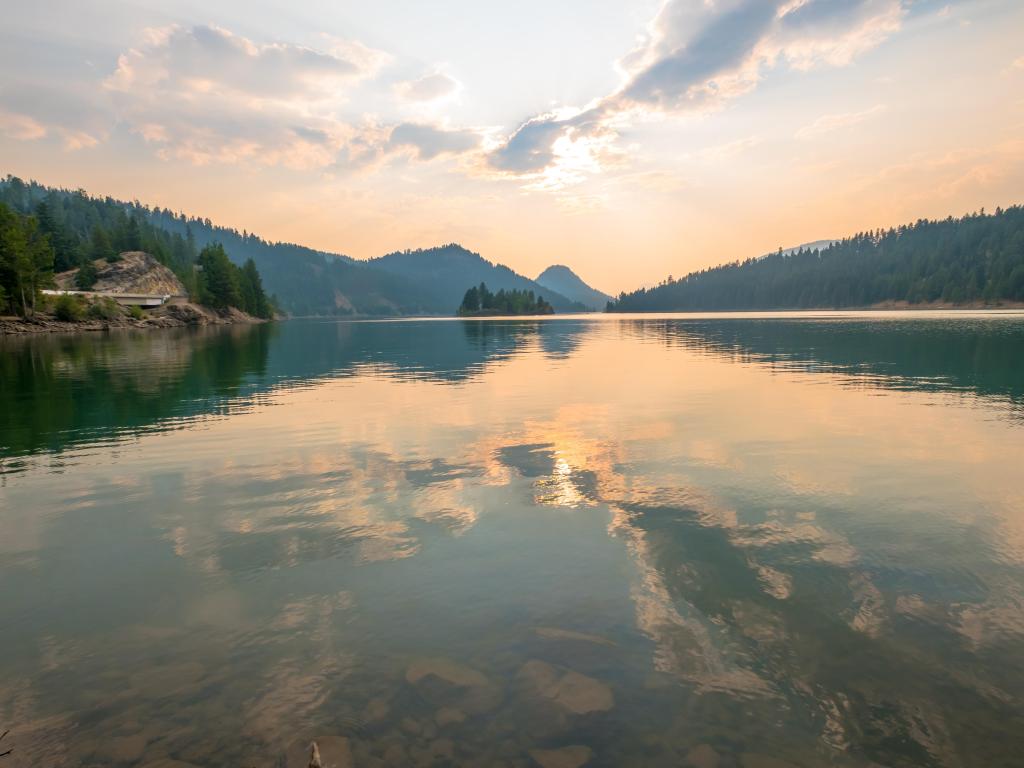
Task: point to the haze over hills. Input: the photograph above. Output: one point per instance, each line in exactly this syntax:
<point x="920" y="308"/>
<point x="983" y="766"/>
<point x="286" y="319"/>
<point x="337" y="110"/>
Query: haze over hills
<point x="560" y="278"/>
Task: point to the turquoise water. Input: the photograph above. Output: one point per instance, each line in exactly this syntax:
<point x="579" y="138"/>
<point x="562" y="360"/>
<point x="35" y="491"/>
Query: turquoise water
<point x="660" y="540"/>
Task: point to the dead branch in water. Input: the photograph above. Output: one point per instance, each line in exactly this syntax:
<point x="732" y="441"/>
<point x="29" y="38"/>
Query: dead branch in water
<point x="2" y="736"/>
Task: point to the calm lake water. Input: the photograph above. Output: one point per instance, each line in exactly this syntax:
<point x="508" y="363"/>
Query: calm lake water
<point x="657" y="541"/>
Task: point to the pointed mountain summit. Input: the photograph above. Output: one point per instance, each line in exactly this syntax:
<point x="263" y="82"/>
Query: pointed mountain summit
<point x="561" y="279"/>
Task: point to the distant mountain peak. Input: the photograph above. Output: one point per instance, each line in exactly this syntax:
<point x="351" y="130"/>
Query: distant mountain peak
<point x="562" y="279"/>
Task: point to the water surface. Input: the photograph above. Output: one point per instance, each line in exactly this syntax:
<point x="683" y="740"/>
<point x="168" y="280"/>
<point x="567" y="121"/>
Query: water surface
<point x="670" y="540"/>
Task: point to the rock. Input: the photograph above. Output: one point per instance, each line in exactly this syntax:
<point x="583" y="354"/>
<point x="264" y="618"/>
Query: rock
<point x="566" y="757"/>
<point x="333" y="752"/>
<point x="125" y="749"/>
<point x="447" y="670"/>
<point x="411" y="726"/>
<point x="702" y="756"/>
<point x="442" y="749"/>
<point x="445" y="683"/>
<point x="395" y="755"/>
<point x="136" y="272"/>
<point x="449" y="715"/>
<point x="755" y="760"/>
<point x="376" y="710"/>
<point x="166" y="762"/>
<point x="169" y="680"/>
<point x="553" y="633"/>
<point x="575" y="693"/>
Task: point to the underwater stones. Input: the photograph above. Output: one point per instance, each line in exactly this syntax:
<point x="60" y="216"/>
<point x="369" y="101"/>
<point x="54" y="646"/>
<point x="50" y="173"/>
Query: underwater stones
<point x="554" y="633"/>
<point x="376" y="710"/>
<point x="573" y="692"/>
<point x="755" y="760"/>
<point x="436" y="752"/>
<point x="702" y="756"/>
<point x="395" y="755"/>
<point x="448" y="716"/>
<point x="446" y="683"/>
<point x="166" y="762"/>
<point x="333" y="752"/>
<point x="125" y="749"/>
<point x="447" y="670"/>
<point x="168" y="680"/>
<point x="566" y="757"/>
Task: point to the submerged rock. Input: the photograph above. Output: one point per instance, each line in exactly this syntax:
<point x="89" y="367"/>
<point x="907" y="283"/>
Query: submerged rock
<point x="755" y="760"/>
<point x="446" y="683"/>
<point x="566" y="757"/>
<point x="447" y="670"/>
<point x="554" y="633"/>
<point x="702" y="756"/>
<point x="376" y="710"/>
<point x="575" y="693"/>
<point x="329" y="751"/>
<point x="448" y="716"/>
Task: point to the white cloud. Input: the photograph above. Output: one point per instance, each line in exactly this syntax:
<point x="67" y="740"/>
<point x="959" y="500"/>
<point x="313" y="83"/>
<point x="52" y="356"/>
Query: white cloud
<point x="428" y="141"/>
<point x="26" y="128"/>
<point x="698" y="56"/>
<point x="201" y="61"/>
<point x="828" y="123"/>
<point x="432" y="87"/>
<point x="21" y="127"/>
<point x="205" y="94"/>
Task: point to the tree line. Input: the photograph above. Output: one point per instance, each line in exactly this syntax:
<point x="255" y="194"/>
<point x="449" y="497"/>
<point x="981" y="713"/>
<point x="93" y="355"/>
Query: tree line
<point x="978" y="258"/>
<point x="45" y="231"/>
<point x="481" y="301"/>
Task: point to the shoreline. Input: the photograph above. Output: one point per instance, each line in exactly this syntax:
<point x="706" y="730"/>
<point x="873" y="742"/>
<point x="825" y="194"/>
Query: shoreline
<point x="167" y="316"/>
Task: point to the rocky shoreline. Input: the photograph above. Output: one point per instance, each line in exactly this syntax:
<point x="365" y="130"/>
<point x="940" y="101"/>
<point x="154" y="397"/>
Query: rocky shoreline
<point x="167" y="316"/>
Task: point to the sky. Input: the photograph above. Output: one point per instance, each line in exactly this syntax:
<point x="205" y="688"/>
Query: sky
<point x="628" y="140"/>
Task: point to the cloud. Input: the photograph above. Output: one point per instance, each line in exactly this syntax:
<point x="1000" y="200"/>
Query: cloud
<point x="428" y="88"/>
<point x="40" y="111"/>
<point x="828" y="123"/>
<point x="21" y="127"/>
<point x="204" y="94"/>
<point x="428" y="141"/>
<point x="201" y="61"/>
<point x="698" y="56"/>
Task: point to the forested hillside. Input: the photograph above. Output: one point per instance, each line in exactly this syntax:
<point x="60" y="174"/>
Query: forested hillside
<point x="303" y="281"/>
<point x="978" y="258"/>
<point x="75" y="234"/>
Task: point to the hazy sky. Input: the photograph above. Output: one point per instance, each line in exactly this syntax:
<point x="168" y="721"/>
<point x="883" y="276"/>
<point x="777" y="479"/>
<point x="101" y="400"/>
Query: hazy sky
<point x="629" y="140"/>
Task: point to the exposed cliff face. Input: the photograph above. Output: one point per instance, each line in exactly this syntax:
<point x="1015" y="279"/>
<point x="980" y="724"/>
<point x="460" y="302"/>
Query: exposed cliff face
<point x="136" y="272"/>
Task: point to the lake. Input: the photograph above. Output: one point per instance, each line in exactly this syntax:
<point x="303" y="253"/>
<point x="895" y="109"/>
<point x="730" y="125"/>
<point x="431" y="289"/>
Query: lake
<point x="749" y="541"/>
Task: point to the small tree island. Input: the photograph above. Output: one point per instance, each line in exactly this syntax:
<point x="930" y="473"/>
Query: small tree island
<point x="480" y="302"/>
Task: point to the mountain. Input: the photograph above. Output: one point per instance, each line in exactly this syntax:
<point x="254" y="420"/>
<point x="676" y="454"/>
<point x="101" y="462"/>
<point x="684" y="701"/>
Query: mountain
<point x="563" y="280"/>
<point x="815" y="245"/>
<point x="975" y="259"/>
<point x="302" y="280"/>
<point x="447" y="272"/>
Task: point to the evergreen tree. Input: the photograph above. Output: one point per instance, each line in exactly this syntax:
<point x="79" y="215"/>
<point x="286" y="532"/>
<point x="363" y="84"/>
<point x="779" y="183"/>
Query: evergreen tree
<point x="99" y="245"/>
<point x="219" y="284"/>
